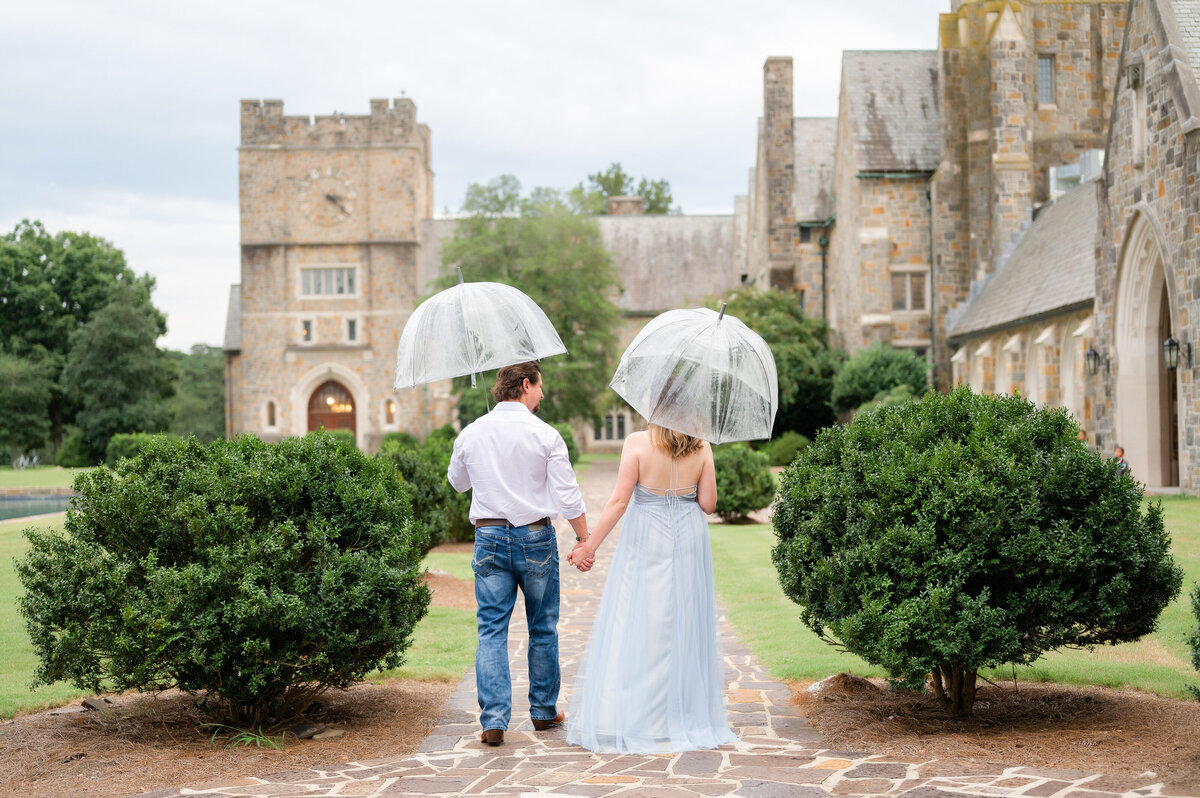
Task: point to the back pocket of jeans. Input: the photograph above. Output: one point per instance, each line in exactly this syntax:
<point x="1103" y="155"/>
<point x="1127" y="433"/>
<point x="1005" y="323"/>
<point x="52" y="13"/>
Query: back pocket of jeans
<point x="540" y="557"/>
<point x="484" y="560"/>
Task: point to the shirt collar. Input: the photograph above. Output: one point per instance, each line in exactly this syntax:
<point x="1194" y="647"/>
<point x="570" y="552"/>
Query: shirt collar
<point x="511" y="406"/>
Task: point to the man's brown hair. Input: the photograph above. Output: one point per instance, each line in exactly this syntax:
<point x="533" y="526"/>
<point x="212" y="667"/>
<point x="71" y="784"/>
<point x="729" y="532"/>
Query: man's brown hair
<point x="510" y="379"/>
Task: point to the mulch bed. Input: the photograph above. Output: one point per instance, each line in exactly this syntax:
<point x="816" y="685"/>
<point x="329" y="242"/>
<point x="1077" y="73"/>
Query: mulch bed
<point x="1115" y="732"/>
<point x="145" y="742"/>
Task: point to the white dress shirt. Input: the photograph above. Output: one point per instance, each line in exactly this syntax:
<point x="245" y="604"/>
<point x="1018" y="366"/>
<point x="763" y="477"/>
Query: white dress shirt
<point x="517" y="465"/>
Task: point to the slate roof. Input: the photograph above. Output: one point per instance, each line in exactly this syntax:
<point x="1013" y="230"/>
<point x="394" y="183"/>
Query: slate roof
<point x="893" y="105"/>
<point x="233" y="320"/>
<point x="1052" y="267"/>
<point x="816" y="141"/>
<point x="1187" y="17"/>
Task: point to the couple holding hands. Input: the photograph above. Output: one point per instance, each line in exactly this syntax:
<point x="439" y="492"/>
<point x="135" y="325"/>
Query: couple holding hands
<point x="651" y="680"/>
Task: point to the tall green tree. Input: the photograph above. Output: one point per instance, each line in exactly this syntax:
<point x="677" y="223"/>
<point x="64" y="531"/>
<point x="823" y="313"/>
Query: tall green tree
<point x="50" y="286"/>
<point x="537" y="244"/>
<point x="118" y="373"/>
<point x="591" y="197"/>
<point x="197" y="406"/>
<point x="24" y="403"/>
<point x="803" y="357"/>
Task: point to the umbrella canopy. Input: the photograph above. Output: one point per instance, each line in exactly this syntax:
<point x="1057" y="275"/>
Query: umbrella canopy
<point x="702" y="373"/>
<point x="470" y="328"/>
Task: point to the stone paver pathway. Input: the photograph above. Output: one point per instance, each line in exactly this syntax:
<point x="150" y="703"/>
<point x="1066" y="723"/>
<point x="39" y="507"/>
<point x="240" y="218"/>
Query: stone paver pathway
<point x="777" y="754"/>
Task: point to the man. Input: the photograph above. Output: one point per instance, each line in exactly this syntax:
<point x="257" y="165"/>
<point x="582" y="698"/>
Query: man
<point x="518" y="468"/>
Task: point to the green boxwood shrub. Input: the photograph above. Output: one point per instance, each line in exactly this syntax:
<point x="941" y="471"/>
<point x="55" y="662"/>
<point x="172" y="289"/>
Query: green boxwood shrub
<point x="343" y="436"/>
<point x="568" y="436"/>
<point x="403" y="439"/>
<point x="1193" y="639"/>
<point x="255" y="575"/>
<point x="783" y="450"/>
<point x="871" y="373"/>
<point x="74" y="452"/>
<point x="958" y="532"/>
<point x="744" y="481"/>
<point x="125" y="444"/>
<point x="436" y="504"/>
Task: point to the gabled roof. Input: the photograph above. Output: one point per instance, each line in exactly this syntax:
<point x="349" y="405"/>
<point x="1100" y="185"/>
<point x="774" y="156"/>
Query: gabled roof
<point x="1052" y="268"/>
<point x="816" y="142"/>
<point x="892" y="99"/>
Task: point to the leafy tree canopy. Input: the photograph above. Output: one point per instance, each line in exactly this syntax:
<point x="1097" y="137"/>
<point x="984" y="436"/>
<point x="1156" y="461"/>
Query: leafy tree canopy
<point x="537" y="244"/>
<point x="592" y="196"/>
<point x="957" y="532"/>
<point x="197" y="406"/>
<point x="803" y="358"/>
<point x="24" y="402"/>
<point x="50" y="286"/>
<point x="117" y="372"/>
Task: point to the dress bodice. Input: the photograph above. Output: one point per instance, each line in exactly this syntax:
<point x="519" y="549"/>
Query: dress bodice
<point x="644" y="495"/>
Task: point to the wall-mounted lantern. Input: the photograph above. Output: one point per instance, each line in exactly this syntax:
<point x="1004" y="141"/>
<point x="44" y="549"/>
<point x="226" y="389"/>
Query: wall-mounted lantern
<point x="1091" y="359"/>
<point x="1171" y="351"/>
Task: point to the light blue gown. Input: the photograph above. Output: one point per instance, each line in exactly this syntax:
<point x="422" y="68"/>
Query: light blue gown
<point x="652" y="679"/>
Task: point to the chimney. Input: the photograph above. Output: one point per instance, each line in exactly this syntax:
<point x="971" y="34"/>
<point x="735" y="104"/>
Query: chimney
<point x="626" y="206"/>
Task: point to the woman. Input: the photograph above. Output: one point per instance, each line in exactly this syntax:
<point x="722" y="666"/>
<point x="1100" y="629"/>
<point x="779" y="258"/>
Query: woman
<point x="652" y="679"/>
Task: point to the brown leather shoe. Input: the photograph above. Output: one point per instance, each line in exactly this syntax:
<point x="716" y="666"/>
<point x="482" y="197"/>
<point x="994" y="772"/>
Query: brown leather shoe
<point x="557" y="720"/>
<point x="492" y="736"/>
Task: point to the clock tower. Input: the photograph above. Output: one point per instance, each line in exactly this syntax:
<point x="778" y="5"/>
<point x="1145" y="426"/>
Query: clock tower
<point x="331" y="217"/>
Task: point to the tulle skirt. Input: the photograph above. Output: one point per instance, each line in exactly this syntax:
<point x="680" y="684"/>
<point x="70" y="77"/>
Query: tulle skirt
<point x="652" y="679"/>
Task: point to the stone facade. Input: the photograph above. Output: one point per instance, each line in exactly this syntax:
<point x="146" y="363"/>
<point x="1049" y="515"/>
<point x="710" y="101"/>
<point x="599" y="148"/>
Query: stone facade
<point x="1002" y="131"/>
<point x="331" y="210"/>
<point x="878" y="283"/>
<point x="1148" y="280"/>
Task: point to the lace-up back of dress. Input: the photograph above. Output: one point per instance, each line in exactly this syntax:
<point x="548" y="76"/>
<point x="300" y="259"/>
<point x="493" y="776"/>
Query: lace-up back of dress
<point x="673" y="492"/>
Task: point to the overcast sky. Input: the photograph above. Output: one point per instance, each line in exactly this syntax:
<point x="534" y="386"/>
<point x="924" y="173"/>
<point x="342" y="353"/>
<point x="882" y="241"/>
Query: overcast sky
<point x="121" y="118"/>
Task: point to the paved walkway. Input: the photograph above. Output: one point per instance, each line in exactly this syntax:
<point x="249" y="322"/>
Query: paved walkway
<point x="777" y="754"/>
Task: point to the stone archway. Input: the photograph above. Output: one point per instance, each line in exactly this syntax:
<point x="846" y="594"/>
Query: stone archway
<point x="331" y="406"/>
<point x="1146" y="414"/>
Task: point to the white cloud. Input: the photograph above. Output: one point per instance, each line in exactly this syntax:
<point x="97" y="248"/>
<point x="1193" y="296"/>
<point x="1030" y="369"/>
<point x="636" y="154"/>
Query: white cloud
<point x="188" y="245"/>
<point x="110" y="107"/>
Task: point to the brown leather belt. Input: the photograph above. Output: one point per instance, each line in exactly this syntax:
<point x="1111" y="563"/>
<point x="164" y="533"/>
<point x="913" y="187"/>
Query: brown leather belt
<point x="543" y="522"/>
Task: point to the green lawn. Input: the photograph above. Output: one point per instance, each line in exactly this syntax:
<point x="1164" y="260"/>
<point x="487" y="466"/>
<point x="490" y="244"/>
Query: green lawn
<point x="39" y="477"/>
<point x="770" y="623"/>
<point x="17" y="660"/>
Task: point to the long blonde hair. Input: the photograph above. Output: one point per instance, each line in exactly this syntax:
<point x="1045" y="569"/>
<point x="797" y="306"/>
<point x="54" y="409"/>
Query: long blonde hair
<point x="675" y="444"/>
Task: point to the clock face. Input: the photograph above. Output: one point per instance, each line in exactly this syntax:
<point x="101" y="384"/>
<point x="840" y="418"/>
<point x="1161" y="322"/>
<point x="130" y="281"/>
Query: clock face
<point x="327" y="196"/>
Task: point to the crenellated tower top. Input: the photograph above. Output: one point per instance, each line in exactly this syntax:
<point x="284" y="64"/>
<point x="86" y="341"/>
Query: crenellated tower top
<point x="390" y="123"/>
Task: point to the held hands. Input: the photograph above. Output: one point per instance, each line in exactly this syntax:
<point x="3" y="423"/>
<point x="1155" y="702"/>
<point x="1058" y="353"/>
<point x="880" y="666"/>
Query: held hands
<point x="583" y="556"/>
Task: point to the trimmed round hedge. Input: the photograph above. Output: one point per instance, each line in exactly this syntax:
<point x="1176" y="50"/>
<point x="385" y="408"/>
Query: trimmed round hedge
<point x="255" y="574"/>
<point x="960" y="531"/>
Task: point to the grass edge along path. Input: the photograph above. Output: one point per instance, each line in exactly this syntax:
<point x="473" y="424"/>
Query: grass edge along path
<point x="769" y="623"/>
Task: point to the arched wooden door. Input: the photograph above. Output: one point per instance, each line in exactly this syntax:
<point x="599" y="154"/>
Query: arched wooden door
<point x="331" y="406"/>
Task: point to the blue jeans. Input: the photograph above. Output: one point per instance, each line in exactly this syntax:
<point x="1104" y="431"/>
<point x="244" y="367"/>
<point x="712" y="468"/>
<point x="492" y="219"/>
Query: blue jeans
<point x="507" y="558"/>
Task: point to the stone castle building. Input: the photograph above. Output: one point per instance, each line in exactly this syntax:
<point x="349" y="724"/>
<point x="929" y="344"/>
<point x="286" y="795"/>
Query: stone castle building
<point x="1018" y="206"/>
<point x="338" y="245"/>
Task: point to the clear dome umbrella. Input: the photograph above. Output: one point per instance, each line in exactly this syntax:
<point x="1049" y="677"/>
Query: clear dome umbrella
<point x="702" y="373"/>
<point x="471" y="328"/>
